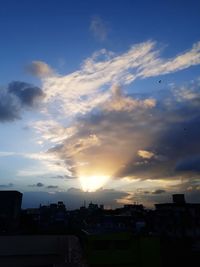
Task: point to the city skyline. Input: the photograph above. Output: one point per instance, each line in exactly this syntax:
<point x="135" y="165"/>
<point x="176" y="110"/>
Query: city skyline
<point x="100" y="101"/>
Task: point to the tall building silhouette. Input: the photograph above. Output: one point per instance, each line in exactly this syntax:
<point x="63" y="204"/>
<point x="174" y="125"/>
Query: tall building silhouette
<point x="10" y="208"/>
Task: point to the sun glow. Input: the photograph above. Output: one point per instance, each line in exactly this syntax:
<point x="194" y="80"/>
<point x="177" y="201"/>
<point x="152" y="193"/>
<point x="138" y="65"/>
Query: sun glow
<point x="92" y="183"/>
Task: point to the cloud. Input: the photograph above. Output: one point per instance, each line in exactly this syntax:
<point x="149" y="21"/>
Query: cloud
<point x="40" y="69"/>
<point x="63" y="177"/>
<point x="99" y="28"/>
<point x="37" y="185"/>
<point x="17" y="97"/>
<point x="42" y="164"/>
<point x="138" y="143"/>
<point x="120" y="102"/>
<point x="52" y="186"/>
<point x="183" y="61"/>
<point x="43" y="168"/>
<point x="6" y="153"/>
<point x="104" y="142"/>
<point x="52" y="131"/>
<point x="145" y="154"/>
<point x="9" y="107"/>
<point x="42" y="185"/>
<point x="158" y="191"/>
<point x="175" y="143"/>
<point x="95" y="129"/>
<point x="91" y="86"/>
<point x="26" y="93"/>
<point x="189" y="187"/>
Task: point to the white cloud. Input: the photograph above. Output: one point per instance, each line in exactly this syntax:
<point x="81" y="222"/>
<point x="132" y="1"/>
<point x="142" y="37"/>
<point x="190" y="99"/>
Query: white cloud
<point x="183" y="61"/>
<point x="89" y="87"/>
<point x="53" y="131"/>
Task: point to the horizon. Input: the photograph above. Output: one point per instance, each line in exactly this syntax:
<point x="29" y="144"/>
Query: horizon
<point x="88" y="199"/>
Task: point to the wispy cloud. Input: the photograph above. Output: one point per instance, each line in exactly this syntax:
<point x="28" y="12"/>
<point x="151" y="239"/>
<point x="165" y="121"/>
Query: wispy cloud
<point x="42" y="164"/>
<point x="85" y="89"/>
<point x="99" y="28"/>
<point x="184" y="60"/>
<point x="6" y="154"/>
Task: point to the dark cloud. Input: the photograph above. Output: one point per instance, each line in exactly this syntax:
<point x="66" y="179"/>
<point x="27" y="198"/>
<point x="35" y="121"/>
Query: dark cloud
<point x="37" y="185"/>
<point x="176" y="126"/>
<point x="26" y="93"/>
<point x="105" y="140"/>
<point x="9" y="107"/>
<point x="74" y="198"/>
<point x="52" y="186"/>
<point x="64" y="177"/>
<point x="158" y="191"/>
<point x="17" y="96"/>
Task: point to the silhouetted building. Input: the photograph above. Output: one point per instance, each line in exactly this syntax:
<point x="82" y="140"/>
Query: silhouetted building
<point x="178" y="219"/>
<point x="10" y="209"/>
<point x="92" y="207"/>
<point x="134" y="207"/>
<point x="101" y="207"/>
<point x="178" y="198"/>
<point x="53" y="218"/>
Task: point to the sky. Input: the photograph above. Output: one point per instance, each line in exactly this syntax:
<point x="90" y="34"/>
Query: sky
<point x="100" y="101"/>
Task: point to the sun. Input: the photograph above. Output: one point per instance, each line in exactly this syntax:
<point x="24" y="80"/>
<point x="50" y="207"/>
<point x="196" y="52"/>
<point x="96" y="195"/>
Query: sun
<point x="93" y="183"/>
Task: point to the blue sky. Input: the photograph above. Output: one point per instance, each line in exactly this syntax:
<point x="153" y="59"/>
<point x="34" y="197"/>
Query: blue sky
<point x="100" y="95"/>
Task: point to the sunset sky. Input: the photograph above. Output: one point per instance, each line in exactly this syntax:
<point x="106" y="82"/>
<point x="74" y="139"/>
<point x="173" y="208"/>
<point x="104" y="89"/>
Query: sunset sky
<point x="100" y="101"/>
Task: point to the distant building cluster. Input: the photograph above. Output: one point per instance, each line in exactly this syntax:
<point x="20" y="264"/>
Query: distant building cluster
<point x="127" y="236"/>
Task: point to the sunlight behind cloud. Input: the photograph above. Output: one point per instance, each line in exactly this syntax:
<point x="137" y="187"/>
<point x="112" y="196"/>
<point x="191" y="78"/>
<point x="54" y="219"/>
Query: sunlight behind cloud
<point x="94" y="126"/>
<point x="93" y="183"/>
